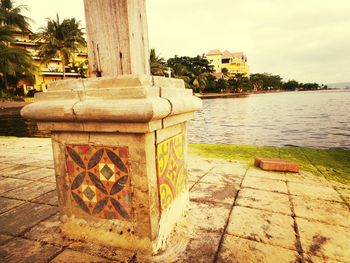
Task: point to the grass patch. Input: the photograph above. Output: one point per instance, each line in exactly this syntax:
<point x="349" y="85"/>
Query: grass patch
<point x="333" y="164"/>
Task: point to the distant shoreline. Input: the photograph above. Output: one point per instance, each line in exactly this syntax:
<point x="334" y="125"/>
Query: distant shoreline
<point x="233" y="95"/>
<point x="244" y="94"/>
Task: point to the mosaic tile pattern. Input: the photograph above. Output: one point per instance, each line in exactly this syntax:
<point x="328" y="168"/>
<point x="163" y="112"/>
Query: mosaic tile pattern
<point x="99" y="180"/>
<point x="172" y="178"/>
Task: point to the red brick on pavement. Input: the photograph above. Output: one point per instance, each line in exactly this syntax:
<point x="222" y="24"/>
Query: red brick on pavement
<point x="276" y="165"/>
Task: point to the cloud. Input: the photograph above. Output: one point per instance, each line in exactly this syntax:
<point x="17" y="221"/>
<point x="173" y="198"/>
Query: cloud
<point x="303" y="40"/>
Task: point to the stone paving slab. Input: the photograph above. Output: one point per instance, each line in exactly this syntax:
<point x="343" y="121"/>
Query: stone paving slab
<point x="4" y="238"/>
<point x="329" y="212"/>
<point x="231" y="169"/>
<point x="37" y="174"/>
<point x="205" y="192"/>
<point x="22" y="250"/>
<point x="198" y="168"/>
<point x="215" y="177"/>
<point x="42" y="164"/>
<point x="15" y="170"/>
<point x="200" y="165"/>
<point x="50" y="179"/>
<point x="30" y="191"/>
<point x="5" y="165"/>
<point x="345" y="193"/>
<point x="315" y="259"/>
<point x="306" y="177"/>
<point x="195" y="177"/>
<point x="208" y="216"/>
<point x="9" y="184"/>
<point x="324" y="240"/>
<point x="6" y="204"/>
<point x="23" y="217"/>
<point x="265" y="184"/>
<point x="103" y="251"/>
<point x="262" y="226"/>
<point x="237" y="250"/>
<point x="49" y="198"/>
<point x="78" y="257"/>
<point x="201" y="247"/>
<point x="260" y="199"/>
<point x="314" y="191"/>
<point x="48" y="231"/>
<point x="256" y="172"/>
<point x="237" y="214"/>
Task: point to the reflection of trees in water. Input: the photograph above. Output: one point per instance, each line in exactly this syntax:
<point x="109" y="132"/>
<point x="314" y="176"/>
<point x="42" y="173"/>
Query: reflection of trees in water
<point x="12" y="124"/>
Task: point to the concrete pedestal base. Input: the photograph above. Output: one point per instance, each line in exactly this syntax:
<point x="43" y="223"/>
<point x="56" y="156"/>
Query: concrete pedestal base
<point x="120" y="157"/>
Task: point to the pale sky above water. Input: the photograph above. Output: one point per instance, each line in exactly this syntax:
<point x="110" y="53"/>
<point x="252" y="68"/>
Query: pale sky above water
<point x="305" y="40"/>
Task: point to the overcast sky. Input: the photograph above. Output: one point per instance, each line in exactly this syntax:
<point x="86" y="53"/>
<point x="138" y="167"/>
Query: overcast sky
<point x="305" y="40"/>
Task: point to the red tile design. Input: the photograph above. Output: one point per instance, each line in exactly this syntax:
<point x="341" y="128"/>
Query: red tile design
<point x="99" y="180"/>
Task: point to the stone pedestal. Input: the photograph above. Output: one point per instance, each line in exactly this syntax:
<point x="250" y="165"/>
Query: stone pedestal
<point x="119" y="148"/>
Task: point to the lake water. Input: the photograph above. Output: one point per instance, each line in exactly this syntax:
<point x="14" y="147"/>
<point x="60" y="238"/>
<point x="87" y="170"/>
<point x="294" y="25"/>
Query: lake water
<point x="318" y="119"/>
<point x="12" y="124"/>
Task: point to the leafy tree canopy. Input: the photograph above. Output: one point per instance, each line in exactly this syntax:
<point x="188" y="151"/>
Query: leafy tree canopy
<point x="198" y="75"/>
<point x="14" y="62"/>
<point x="60" y="39"/>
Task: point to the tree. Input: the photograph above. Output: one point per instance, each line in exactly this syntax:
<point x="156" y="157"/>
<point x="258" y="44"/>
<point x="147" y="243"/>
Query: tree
<point x="199" y="79"/>
<point x="273" y="81"/>
<point x="193" y="70"/>
<point x="60" y="40"/>
<point x="239" y="83"/>
<point x="291" y="85"/>
<point x="225" y="72"/>
<point x="83" y="69"/>
<point x="222" y="85"/>
<point x="256" y="81"/>
<point x="11" y="16"/>
<point x="157" y="64"/>
<point x="212" y="84"/>
<point x="14" y="62"/>
<point x="265" y="81"/>
<point x="311" y="86"/>
<point x="179" y="71"/>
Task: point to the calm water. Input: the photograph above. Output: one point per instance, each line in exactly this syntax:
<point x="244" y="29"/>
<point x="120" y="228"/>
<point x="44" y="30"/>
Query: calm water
<point x="12" y="124"/>
<point x="312" y="119"/>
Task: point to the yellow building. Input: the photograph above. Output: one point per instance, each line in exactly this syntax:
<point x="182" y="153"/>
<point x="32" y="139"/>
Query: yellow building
<point x="51" y="71"/>
<point x="235" y="63"/>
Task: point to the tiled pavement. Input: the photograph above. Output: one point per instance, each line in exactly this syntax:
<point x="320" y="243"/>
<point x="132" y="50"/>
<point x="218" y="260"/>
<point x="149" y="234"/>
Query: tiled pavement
<point x="238" y="214"/>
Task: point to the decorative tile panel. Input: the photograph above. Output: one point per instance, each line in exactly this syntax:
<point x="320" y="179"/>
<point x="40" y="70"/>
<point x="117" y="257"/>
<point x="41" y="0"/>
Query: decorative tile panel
<point x="172" y="178"/>
<point x="99" y="180"/>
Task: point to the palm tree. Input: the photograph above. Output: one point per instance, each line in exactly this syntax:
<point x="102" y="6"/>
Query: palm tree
<point x="181" y="72"/>
<point x="60" y="40"/>
<point x="225" y="72"/>
<point x="11" y="16"/>
<point x="157" y="64"/>
<point x="199" y="78"/>
<point x="5" y="34"/>
<point x="15" y="62"/>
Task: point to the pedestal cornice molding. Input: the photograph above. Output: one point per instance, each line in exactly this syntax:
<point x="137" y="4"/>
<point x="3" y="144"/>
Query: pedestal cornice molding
<point x="119" y="100"/>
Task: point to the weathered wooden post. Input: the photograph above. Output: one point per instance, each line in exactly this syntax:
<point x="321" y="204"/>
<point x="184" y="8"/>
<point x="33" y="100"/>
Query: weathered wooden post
<point x="119" y="140"/>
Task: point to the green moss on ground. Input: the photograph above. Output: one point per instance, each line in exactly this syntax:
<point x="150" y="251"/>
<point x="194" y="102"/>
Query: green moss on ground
<point x="333" y="164"/>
